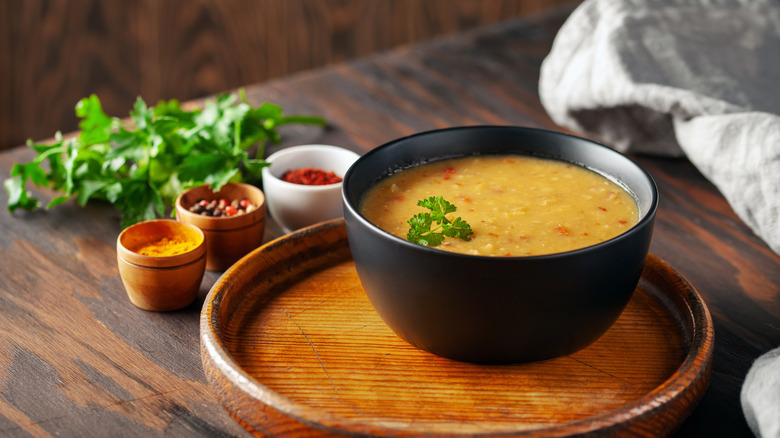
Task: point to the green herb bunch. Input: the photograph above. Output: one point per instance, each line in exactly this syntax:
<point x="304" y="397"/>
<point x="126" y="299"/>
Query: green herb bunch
<point x="142" y="167"/>
<point x="420" y="225"/>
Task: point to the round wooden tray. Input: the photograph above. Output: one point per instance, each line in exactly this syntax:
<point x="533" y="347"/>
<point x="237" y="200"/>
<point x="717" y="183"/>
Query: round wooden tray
<point x="292" y="347"/>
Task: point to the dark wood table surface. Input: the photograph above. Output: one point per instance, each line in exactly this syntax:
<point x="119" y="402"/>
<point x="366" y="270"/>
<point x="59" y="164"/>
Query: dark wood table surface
<point x="78" y="359"/>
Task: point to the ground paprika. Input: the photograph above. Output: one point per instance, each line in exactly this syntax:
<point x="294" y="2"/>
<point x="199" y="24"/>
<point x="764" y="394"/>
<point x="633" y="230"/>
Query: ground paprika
<point x="310" y="176"/>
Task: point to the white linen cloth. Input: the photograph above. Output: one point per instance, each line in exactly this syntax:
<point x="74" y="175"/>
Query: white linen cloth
<point x="699" y="78"/>
<point x="761" y="395"/>
<point x="694" y="78"/>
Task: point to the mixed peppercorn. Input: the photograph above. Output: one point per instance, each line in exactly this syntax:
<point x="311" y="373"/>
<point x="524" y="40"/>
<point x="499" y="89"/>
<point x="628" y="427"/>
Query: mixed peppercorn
<point x="222" y="207"/>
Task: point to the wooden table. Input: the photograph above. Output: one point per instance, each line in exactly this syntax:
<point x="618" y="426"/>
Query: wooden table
<point x="78" y="359"/>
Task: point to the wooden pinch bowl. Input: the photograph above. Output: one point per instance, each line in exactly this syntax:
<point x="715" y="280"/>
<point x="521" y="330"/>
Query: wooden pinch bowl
<point x="227" y="238"/>
<point x="161" y="283"/>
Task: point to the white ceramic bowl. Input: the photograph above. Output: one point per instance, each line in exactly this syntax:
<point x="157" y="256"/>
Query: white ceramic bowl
<point x="295" y="206"/>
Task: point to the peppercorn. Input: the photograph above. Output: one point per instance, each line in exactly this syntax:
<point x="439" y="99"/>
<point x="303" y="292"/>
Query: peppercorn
<point x="222" y="207"/>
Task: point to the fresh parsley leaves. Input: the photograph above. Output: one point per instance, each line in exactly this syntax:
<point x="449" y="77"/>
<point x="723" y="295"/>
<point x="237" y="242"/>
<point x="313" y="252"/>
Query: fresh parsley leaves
<point x="141" y="168"/>
<point x="420" y="231"/>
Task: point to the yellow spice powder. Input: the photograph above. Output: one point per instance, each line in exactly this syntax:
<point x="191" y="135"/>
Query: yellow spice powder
<point x="167" y="247"/>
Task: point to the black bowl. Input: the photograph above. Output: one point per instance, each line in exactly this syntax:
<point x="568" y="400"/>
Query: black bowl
<point x="497" y="309"/>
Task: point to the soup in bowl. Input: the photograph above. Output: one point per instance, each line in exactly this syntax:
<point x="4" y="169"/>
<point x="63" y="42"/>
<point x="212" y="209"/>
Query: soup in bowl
<point x="514" y="205"/>
<point x="486" y="294"/>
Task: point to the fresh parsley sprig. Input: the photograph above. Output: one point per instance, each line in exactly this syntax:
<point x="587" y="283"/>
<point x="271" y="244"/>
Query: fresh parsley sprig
<point x="142" y="167"/>
<point x="420" y="231"/>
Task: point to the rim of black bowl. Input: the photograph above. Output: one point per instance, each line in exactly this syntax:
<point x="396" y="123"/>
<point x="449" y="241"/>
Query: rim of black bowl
<point x="647" y="216"/>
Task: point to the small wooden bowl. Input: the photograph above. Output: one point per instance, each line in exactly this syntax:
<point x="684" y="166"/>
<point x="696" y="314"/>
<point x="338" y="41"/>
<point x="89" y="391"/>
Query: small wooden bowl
<point x="227" y="238"/>
<point x="161" y="283"/>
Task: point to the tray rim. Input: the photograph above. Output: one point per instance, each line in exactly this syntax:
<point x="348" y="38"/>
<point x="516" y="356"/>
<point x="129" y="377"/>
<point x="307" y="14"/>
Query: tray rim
<point x="690" y="380"/>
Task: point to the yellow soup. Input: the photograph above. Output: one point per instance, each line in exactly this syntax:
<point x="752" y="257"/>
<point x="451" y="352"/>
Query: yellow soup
<point x="516" y="205"/>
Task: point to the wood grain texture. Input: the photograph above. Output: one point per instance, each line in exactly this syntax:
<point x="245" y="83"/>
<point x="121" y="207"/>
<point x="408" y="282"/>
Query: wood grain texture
<point x="293" y="347"/>
<point x="80" y="360"/>
<point x="54" y="52"/>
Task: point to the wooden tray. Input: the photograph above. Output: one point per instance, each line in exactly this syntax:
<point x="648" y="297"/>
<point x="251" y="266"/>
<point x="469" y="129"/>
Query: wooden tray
<point x="292" y="347"/>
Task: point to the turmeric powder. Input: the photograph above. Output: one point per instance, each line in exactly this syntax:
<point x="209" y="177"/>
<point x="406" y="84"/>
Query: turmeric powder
<point x="166" y="247"/>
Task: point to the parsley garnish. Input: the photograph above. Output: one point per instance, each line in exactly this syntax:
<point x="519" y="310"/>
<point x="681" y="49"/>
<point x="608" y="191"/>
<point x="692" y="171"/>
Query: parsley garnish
<point x="420" y="231"/>
<point x="141" y="168"/>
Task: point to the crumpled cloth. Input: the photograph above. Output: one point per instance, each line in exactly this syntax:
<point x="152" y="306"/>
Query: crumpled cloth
<point x="695" y="78"/>
<point x="760" y="395"/>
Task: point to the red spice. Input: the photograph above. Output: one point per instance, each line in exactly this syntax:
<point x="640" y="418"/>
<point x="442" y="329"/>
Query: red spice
<point x="310" y="176"/>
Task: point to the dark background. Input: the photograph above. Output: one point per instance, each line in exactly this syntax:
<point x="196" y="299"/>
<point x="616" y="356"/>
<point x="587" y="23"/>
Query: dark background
<point x="54" y="52"/>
